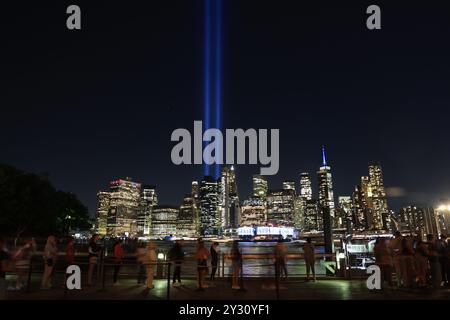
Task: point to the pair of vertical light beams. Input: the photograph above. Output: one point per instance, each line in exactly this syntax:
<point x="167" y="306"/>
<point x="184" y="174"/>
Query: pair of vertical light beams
<point x="212" y="72"/>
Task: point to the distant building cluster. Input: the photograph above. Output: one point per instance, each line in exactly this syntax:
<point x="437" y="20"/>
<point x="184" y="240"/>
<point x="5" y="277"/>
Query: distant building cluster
<point x="214" y="208"/>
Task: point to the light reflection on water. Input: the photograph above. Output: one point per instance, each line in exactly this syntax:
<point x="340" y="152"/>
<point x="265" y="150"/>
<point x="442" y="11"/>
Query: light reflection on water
<point x="253" y="266"/>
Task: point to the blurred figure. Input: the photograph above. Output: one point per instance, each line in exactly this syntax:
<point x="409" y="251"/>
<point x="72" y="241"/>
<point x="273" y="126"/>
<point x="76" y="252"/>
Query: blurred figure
<point x="176" y="255"/>
<point x="201" y="256"/>
<point x="22" y="259"/>
<point x="70" y="251"/>
<point x="93" y="251"/>
<point x="140" y="253"/>
<point x="421" y="261"/>
<point x="50" y="254"/>
<point x="149" y="261"/>
<point x="214" y="251"/>
<point x="309" y="255"/>
<point x="69" y="257"/>
<point x="4" y="257"/>
<point x="383" y="259"/>
<point x="118" y="256"/>
<point x="236" y="264"/>
<point x="433" y="259"/>
<point x="408" y="267"/>
<point x="447" y="255"/>
<point x="443" y="259"/>
<point x="280" y="259"/>
<point x="396" y="249"/>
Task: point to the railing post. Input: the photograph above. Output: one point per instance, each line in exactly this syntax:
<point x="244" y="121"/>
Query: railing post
<point x="277" y="283"/>
<point x="168" y="280"/>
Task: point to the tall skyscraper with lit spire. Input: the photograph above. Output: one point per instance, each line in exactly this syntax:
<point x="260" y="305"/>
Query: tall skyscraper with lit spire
<point x="325" y="183"/>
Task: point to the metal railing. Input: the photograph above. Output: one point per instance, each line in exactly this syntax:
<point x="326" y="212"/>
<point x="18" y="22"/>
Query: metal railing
<point x="131" y="267"/>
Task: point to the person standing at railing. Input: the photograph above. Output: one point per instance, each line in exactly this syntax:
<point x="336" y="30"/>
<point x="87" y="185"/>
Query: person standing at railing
<point x="408" y="266"/>
<point x="70" y="251"/>
<point x="149" y="260"/>
<point x="140" y="253"/>
<point x="201" y="256"/>
<point x="433" y="259"/>
<point x="93" y="250"/>
<point x="118" y="256"/>
<point x="421" y="262"/>
<point x="69" y="257"/>
<point x="383" y="259"/>
<point x="396" y="248"/>
<point x="4" y="257"/>
<point x="214" y="251"/>
<point x="280" y="259"/>
<point x="23" y="260"/>
<point x="309" y="255"/>
<point x="50" y="254"/>
<point x="236" y="263"/>
<point x="176" y="256"/>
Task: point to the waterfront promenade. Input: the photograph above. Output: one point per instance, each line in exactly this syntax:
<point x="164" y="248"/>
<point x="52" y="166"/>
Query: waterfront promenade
<point x="254" y="289"/>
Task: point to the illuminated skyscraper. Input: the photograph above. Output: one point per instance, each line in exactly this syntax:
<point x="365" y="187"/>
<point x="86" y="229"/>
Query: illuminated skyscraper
<point x="209" y="202"/>
<point x="299" y="210"/>
<point x="325" y="183"/>
<point x="228" y="198"/>
<point x="379" y="208"/>
<point x="280" y="207"/>
<point x="195" y="189"/>
<point x="164" y="220"/>
<point x="360" y="209"/>
<point x="369" y="202"/>
<point x="148" y="200"/>
<point x="443" y="219"/>
<point x="305" y="186"/>
<point x="311" y="216"/>
<point x="254" y="212"/>
<point x="195" y="192"/>
<point x="301" y="220"/>
<point x="123" y="207"/>
<point x="430" y="221"/>
<point x="187" y="220"/>
<point x="260" y="186"/>
<point x="102" y="211"/>
<point x="344" y="213"/>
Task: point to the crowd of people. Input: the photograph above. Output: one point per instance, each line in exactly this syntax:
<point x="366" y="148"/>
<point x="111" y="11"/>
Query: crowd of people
<point x="415" y="263"/>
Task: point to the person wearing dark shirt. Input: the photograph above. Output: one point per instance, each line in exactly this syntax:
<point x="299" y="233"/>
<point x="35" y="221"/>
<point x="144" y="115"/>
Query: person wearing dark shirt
<point x="176" y="255"/>
<point x="214" y="250"/>
<point x="118" y="256"/>
<point x="443" y="259"/>
<point x="433" y="259"/>
<point x="93" y="251"/>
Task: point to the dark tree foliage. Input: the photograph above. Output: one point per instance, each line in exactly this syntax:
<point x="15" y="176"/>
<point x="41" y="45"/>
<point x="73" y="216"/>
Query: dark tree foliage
<point x="30" y="205"/>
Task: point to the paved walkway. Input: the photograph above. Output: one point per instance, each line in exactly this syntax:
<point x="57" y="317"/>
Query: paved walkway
<point x="254" y="289"/>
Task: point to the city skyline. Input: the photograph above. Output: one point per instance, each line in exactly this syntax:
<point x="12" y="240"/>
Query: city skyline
<point x="313" y="190"/>
<point x="215" y="207"/>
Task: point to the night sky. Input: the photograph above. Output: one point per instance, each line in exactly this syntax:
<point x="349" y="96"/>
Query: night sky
<point x="90" y="106"/>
